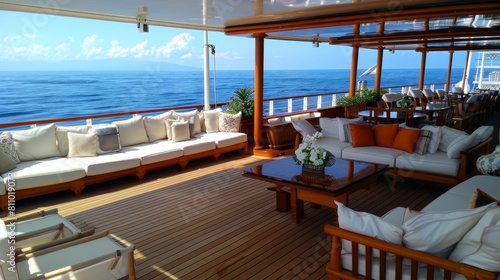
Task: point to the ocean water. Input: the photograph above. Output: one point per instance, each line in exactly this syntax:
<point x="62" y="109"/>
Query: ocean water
<point x="47" y="94"/>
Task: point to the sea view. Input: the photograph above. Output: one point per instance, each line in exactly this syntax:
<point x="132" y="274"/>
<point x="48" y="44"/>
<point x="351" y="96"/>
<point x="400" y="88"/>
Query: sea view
<point x="51" y="94"/>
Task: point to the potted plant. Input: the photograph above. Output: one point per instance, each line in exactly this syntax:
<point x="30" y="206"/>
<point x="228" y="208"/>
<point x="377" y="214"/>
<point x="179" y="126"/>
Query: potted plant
<point x="371" y="96"/>
<point x="242" y="101"/>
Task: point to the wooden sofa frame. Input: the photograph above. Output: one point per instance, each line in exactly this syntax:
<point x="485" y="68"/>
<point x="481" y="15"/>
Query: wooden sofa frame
<point x="77" y="186"/>
<point x="335" y="270"/>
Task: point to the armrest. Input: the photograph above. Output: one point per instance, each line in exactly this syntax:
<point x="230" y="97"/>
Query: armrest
<point x="468" y="158"/>
<point x="23" y="251"/>
<point x="433" y="262"/>
<point x="40" y="213"/>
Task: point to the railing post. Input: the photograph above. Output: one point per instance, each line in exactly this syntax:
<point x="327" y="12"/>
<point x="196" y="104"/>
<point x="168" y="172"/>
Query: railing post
<point x="290" y="105"/>
<point x="89" y="121"/>
<point x="334" y="100"/>
<point x="304" y="105"/>
<point x="318" y="105"/>
<point x="271" y="107"/>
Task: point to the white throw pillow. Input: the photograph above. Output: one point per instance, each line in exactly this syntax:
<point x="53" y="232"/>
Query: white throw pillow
<point x="36" y="143"/>
<point x="400" y="215"/>
<point x="483" y="132"/>
<point x="304" y="127"/>
<point x="448" y="135"/>
<point x="185" y="116"/>
<point x="212" y="120"/>
<point x="82" y="145"/>
<point x="369" y="225"/>
<point x="180" y="131"/>
<point x="132" y="131"/>
<point x="437" y="233"/>
<point x="343" y="129"/>
<point x="7" y="146"/>
<point x="329" y="127"/>
<point x="62" y="136"/>
<point x="229" y="122"/>
<point x="156" y="128"/>
<point x="480" y="247"/>
<point x="435" y="137"/>
<point x="461" y="143"/>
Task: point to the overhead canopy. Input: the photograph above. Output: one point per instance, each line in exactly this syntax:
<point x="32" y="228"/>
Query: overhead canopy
<point x="422" y="25"/>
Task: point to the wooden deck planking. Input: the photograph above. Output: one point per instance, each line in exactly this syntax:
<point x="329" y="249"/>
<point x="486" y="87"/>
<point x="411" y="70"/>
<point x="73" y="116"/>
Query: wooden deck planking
<point x="233" y="232"/>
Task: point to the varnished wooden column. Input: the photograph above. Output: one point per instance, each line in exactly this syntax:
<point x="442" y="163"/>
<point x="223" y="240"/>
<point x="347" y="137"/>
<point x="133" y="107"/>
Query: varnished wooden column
<point x="258" y="112"/>
<point x="422" y="70"/>
<point x="380" y="57"/>
<point x="354" y="62"/>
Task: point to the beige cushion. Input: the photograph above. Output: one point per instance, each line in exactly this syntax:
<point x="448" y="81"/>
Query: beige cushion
<point x="82" y="145"/>
<point x="6" y="163"/>
<point x="156" y="128"/>
<point x="29" y="143"/>
<point x="185" y="116"/>
<point x="304" y="127"/>
<point x="438" y="232"/>
<point x="344" y="127"/>
<point x="480" y="246"/>
<point x="329" y="127"/>
<point x="367" y="224"/>
<point x="435" y="137"/>
<point x="132" y="131"/>
<point x="423" y="142"/>
<point x="461" y="143"/>
<point x="448" y="135"/>
<point x="229" y="122"/>
<point x="483" y="132"/>
<point x="212" y="120"/>
<point x="62" y="136"/>
<point x="180" y="131"/>
<point x="7" y="146"/>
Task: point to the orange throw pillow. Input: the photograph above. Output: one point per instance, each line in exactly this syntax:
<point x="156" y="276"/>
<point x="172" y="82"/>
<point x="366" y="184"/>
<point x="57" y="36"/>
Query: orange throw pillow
<point x="361" y="135"/>
<point x="385" y="134"/>
<point x="406" y="139"/>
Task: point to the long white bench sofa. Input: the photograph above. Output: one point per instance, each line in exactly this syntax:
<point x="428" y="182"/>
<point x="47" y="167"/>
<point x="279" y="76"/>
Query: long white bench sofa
<point x="433" y="153"/>
<point x="453" y="237"/>
<point x="53" y="158"/>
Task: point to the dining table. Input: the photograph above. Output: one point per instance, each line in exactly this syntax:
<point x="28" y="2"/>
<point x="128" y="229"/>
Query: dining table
<point x="394" y="116"/>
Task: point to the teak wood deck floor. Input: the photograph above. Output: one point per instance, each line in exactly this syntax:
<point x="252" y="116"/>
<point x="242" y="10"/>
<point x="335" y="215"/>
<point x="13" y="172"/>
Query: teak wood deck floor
<point x="209" y="222"/>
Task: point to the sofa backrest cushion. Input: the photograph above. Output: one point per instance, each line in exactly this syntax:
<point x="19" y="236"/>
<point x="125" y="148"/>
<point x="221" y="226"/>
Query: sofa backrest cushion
<point x="185" y="116"/>
<point x="7" y="146"/>
<point x="132" y="131"/>
<point x="483" y="132"/>
<point x="361" y="135"/>
<point x="62" y="136"/>
<point x="156" y="127"/>
<point x="108" y="138"/>
<point x="406" y="139"/>
<point x="480" y="246"/>
<point x="36" y="143"/>
<point x="344" y="127"/>
<point x="437" y="233"/>
<point x="385" y="134"/>
<point x="329" y="127"/>
<point x="82" y="145"/>
<point x="448" y="135"/>
<point x="212" y="120"/>
<point x="461" y="143"/>
<point x="304" y="127"/>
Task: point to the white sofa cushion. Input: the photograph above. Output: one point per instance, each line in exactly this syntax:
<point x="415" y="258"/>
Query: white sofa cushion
<point x="180" y="131"/>
<point x="483" y="132"/>
<point x="223" y="139"/>
<point x="155" y="152"/>
<point x="369" y="225"/>
<point x="448" y="135"/>
<point x="192" y="146"/>
<point x="132" y="131"/>
<point x="62" y="136"/>
<point x="156" y="128"/>
<point x="29" y="141"/>
<point x="45" y="172"/>
<point x="329" y="127"/>
<point x="304" y="127"/>
<point x="107" y="163"/>
<point x="344" y="127"/>
<point x="374" y="154"/>
<point x="480" y="247"/>
<point x="212" y="120"/>
<point x="333" y="145"/>
<point x="7" y="146"/>
<point x="438" y="232"/>
<point x="461" y="143"/>
<point x="191" y="114"/>
<point x="82" y="145"/>
<point x="438" y="163"/>
<point x="399" y="215"/>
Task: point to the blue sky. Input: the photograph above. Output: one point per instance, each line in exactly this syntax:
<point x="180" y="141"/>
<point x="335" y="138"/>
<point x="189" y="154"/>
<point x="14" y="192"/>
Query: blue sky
<point x="43" y="42"/>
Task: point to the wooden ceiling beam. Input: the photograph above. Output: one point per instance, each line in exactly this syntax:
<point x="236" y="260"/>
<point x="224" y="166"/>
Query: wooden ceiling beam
<point x="333" y="18"/>
<point x="459" y="48"/>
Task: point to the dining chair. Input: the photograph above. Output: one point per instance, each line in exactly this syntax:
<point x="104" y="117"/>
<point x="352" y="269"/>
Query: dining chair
<point x="407" y="116"/>
<point x="429" y="94"/>
<point x="418" y="96"/>
<point x="379" y="115"/>
<point x="442" y="95"/>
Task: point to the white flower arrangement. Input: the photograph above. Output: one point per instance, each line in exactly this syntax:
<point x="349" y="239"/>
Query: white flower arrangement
<point x="316" y="156"/>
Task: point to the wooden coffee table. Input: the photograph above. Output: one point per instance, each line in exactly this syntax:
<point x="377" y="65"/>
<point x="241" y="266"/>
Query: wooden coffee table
<point x="336" y="183"/>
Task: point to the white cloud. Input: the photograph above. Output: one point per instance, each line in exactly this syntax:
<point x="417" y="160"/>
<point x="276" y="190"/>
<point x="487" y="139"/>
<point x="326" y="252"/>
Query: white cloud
<point x="138" y="51"/>
<point x="186" y="56"/>
<point x="31" y="36"/>
<point x="228" y="56"/>
<point x="88" y="47"/>
<point x="178" y="43"/>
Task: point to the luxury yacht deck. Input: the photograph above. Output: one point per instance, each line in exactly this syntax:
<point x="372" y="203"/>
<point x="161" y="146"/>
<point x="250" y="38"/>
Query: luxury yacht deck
<point x="209" y="222"/>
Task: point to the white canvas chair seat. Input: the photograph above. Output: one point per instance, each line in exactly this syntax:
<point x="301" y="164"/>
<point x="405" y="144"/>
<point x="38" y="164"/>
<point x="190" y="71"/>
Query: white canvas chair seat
<point x="429" y="94"/>
<point x="41" y="227"/>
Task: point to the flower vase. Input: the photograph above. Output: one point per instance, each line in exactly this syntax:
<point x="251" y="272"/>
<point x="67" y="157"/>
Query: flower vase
<point x="309" y="167"/>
